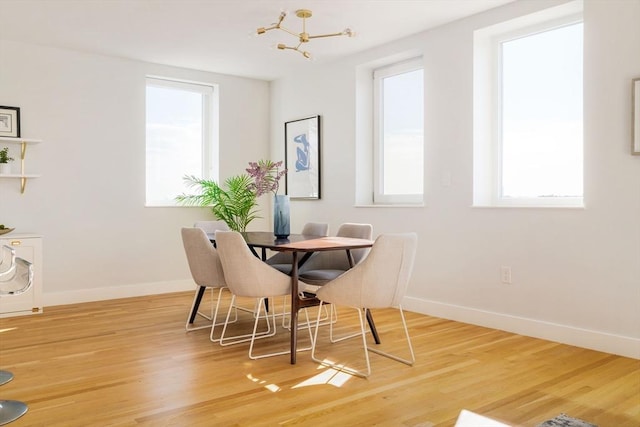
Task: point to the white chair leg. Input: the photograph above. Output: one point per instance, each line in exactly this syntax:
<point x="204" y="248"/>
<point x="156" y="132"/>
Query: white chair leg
<point x="246" y="337"/>
<point x="261" y="356"/>
<point x="189" y="327"/>
<point x="215" y="305"/>
<point x="409" y="361"/>
<point x="339" y="366"/>
<point x="342" y="338"/>
<point x="366" y="348"/>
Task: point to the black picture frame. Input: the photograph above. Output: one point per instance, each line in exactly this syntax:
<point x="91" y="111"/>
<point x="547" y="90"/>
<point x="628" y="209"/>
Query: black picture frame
<point x="302" y="158"/>
<point x="9" y="122"/>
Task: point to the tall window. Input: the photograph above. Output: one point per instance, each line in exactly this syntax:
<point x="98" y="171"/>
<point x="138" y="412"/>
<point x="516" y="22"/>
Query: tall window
<point x="181" y="137"/>
<point x="399" y="133"/>
<point x="534" y="143"/>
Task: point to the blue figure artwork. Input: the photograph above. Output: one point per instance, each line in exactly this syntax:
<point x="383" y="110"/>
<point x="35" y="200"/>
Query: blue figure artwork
<point x="303" y="157"/>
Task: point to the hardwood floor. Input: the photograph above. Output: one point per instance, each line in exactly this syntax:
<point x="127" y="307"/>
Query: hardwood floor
<point x="129" y="362"/>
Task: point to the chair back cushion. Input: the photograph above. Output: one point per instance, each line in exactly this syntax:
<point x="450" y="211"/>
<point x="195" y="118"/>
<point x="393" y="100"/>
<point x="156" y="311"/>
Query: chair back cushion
<point x="316" y="229"/>
<point x="202" y="257"/>
<point x="244" y="273"/>
<point x="381" y="280"/>
<point x="337" y="260"/>
<point x="211" y="227"/>
<point x="282" y="260"/>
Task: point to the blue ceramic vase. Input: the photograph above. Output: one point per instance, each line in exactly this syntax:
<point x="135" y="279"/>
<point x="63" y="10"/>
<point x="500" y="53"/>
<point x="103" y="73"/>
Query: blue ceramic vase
<point x="281" y="216"/>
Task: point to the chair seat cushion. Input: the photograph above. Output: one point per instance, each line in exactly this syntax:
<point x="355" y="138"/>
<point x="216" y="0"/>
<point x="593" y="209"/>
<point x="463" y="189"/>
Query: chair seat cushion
<point x="285" y="268"/>
<point x="320" y="277"/>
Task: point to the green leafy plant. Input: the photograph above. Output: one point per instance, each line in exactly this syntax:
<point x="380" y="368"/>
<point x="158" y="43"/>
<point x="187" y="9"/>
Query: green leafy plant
<point x="236" y="205"/>
<point x="4" y="155"/>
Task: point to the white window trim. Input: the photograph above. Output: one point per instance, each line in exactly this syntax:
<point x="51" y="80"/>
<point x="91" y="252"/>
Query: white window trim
<point x="210" y="137"/>
<point x="487" y="86"/>
<point x="379" y="198"/>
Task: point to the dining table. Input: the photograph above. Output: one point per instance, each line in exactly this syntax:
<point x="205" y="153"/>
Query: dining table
<point x="301" y="247"/>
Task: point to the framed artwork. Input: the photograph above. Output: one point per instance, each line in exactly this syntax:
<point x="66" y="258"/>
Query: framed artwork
<point x="302" y="158"/>
<point x="635" y="117"/>
<point x="10" y="122"/>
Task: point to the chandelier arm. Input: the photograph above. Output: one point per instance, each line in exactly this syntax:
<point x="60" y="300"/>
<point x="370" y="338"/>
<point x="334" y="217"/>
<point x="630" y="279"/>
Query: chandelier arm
<point x="275" y="27"/>
<point x="327" y="35"/>
<point x="289" y="31"/>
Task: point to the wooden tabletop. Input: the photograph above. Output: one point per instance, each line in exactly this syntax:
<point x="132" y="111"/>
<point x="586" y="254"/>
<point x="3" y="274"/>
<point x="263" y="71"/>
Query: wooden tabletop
<point x="324" y="244"/>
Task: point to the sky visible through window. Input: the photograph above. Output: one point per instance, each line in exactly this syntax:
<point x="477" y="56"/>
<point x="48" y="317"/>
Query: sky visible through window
<point x="542" y="136"/>
<point x="174" y="142"/>
<point x="403" y="133"/>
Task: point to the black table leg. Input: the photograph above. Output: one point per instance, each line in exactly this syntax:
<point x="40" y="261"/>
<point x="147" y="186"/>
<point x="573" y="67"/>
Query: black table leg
<point x="294" y="306"/>
<point x="196" y="304"/>
<point x="372" y="326"/>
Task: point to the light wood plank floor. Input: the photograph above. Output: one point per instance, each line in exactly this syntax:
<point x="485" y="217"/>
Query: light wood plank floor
<point x="129" y="362"/>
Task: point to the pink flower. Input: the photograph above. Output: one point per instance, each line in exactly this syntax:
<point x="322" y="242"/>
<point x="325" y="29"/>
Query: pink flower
<point x="266" y="176"/>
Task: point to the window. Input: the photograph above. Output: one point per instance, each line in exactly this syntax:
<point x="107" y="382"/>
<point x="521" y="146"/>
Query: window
<point x="398" y="99"/>
<point x="181" y="137"/>
<point x="528" y="137"/>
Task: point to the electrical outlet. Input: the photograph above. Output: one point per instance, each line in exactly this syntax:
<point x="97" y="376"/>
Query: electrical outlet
<point x="505" y="274"/>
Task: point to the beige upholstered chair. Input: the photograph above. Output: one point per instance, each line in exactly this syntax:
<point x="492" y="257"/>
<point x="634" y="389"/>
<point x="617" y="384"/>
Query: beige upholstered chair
<point x="207" y="273"/>
<point x="282" y="260"/>
<point x="380" y="281"/>
<point x="324" y="266"/>
<point x="248" y="276"/>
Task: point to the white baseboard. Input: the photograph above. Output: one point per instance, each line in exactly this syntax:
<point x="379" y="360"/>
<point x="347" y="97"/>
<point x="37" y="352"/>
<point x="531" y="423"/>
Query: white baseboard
<point x="594" y="340"/>
<point x="101" y="294"/>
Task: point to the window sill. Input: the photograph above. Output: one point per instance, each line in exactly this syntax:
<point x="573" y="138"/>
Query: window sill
<point x="399" y="205"/>
<point x="525" y="206"/>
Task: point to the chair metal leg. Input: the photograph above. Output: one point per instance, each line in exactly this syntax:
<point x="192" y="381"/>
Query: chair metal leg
<point x="339" y="366"/>
<point x="261" y="356"/>
<point x="224" y="341"/>
<point x="5" y="377"/>
<point x="362" y="318"/>
<point x="10" y="410"/>
<point x="329" y="315"/>
<point x="406" y="333"/>
<point x="194" y="310"/>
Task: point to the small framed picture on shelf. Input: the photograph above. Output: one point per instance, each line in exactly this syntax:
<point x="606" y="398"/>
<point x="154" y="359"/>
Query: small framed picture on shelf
<point x="10" y="122"/>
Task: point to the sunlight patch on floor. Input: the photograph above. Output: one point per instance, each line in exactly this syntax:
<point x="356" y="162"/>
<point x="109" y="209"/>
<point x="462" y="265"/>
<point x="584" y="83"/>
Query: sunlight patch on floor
<point x="328" y="376"/>
<point x="471" y="419"/>
<point x="271" y="387"/>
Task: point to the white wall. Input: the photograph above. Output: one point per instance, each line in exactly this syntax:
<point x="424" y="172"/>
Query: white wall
<point x="99" y="239"/>
<point x="576" y="272"/>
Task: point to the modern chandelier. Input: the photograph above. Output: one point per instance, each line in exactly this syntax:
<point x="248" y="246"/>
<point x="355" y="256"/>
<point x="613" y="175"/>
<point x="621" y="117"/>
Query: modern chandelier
<point x="303" y="37"/>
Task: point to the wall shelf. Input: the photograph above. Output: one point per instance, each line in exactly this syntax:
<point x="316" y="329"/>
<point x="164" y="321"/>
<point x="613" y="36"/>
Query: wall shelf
<point x="22" y="176"/>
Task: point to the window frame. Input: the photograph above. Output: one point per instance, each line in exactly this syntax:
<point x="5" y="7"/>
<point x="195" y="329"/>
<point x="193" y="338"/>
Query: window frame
<point x="209" y="143"/>
<point x="488" y="141"/>
<point x="378" y="76"/>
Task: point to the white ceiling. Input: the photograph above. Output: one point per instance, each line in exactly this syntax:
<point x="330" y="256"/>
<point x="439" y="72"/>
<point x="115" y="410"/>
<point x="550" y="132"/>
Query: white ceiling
<point x="218" y="35"/>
